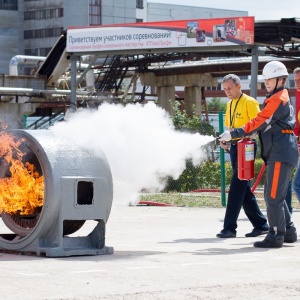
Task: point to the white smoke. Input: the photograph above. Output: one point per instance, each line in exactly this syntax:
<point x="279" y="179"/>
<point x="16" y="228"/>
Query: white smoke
<point x="140" y="144"/>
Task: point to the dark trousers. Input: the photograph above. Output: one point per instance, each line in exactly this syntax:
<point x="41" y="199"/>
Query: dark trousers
<point x="276" y="186"/>
<point x="239" y="196"/>
<point x="289" y="196"/>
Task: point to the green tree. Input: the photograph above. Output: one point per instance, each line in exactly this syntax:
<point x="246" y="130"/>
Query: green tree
<point x="192" y="123"/>
<point x="215" y="104"/>
<point x="193" y="176"/>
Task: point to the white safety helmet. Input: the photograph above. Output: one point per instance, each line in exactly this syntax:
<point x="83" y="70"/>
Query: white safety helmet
<point x="274" y="69"/>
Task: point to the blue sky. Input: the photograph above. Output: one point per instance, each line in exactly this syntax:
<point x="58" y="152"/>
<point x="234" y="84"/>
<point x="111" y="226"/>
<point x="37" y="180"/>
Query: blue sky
<point x="261" y="10"/>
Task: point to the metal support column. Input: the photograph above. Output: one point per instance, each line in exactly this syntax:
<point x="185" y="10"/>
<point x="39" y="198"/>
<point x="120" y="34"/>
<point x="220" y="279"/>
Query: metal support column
<point x="222" y="163"/>
<point x="73" y="83"/>
<point x="254" y="72"/>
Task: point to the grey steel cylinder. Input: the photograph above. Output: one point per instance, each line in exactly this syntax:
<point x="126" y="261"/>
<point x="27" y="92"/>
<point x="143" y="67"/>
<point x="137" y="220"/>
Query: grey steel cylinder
<point x="77" y="187"/>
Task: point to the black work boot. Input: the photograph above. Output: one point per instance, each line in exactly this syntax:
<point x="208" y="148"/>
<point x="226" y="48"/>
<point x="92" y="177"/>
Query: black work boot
<point x="271" y="241"/>
<point x="290" y="235"/>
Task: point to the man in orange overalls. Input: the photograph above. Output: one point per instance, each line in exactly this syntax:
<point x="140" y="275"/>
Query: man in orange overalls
<point x="275" y="124"/>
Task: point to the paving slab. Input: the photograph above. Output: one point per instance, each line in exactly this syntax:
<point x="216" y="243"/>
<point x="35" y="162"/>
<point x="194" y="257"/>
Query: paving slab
<point x="160" y="253"/>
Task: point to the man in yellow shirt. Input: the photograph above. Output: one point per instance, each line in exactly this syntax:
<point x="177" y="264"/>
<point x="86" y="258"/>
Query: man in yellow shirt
<point x="240" y="109"/>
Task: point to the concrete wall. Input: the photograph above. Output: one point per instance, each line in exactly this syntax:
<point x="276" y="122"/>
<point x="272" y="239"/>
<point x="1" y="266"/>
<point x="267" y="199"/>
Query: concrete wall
<point x="118" y="11"/>
<point x="75" y="15"/>
<point x="11" y="114"/>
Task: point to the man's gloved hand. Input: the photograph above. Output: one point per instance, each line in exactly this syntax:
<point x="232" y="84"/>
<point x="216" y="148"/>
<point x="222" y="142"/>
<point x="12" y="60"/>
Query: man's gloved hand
<point x="225" y="136"/>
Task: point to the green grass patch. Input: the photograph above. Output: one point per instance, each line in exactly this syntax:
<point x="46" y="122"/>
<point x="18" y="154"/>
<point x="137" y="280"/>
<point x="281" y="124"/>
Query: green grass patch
<point x="183" y="199"/>
<point x="199" y="199"/>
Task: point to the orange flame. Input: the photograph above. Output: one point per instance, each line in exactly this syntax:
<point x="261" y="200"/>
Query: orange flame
<point x="22" y="191"/>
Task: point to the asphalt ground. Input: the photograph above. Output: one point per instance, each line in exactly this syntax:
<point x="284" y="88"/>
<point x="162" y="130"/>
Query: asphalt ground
<point x="160" y="253"/>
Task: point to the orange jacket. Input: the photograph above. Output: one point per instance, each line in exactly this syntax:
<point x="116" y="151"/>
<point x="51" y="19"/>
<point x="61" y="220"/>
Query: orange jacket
<point x="275" y="124"/>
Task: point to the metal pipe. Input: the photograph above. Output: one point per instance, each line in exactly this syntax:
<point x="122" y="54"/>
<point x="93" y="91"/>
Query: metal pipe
<point x="73" y="83"/>
<point x="24" y="59"/>
<point x="82" y="95"/>
<point x="222" y="163"/>
<point x="29" y="60"/>
<point x="85" y="71"/>
<point x="22" y="91"/>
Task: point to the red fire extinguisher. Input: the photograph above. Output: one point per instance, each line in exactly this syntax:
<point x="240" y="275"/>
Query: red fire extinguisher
<point x="245" y="159"/>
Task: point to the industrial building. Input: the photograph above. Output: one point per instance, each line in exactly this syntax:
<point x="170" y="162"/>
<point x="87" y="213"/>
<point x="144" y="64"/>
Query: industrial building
<point x="39" y="50"/>
<point x="31" y="27"/>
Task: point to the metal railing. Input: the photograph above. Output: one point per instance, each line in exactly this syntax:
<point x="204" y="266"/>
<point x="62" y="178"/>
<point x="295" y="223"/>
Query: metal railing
<point x="46" y="121"/>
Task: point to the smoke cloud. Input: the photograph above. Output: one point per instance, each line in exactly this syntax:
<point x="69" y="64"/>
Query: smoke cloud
<point x="139" y="141"/>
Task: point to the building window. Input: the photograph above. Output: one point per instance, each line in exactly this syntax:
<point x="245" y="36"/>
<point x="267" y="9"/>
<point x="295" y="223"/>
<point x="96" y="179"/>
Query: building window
<point x="9" y="4"/>
<point x="95" y="2"/>
<point x="43" y="33"/>
<point x="140" y="4"/>
<point x="95" y="12"/>
<point x="139" y="20"/>
<point x="44" y="14"/>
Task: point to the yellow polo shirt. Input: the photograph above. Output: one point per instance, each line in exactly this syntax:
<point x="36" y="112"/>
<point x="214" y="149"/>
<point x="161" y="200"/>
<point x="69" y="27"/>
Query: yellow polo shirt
<point x="240" y="111"/>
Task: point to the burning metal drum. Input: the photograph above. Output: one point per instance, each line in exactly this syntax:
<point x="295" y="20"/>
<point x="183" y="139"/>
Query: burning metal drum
<point x="49" y="188"/>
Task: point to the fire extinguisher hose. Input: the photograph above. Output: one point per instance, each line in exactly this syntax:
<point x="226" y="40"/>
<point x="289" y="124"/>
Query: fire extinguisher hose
<point x="259" y="176"/>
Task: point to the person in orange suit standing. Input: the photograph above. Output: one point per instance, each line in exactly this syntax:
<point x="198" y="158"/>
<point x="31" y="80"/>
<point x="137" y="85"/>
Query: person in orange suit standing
<point x="279" y="150"/>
